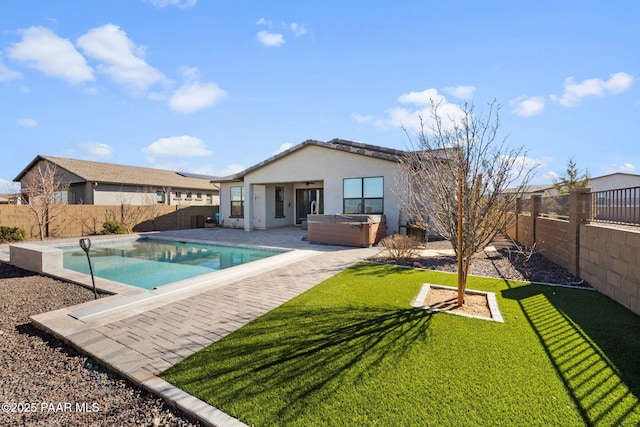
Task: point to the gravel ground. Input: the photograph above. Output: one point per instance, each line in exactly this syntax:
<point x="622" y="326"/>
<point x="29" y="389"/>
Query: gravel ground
<point x="508" y="263"/>
<point x="57" y="385"/>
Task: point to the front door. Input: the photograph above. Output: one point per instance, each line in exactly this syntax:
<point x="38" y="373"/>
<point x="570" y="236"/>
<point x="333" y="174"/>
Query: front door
<point x="308" y="201"/>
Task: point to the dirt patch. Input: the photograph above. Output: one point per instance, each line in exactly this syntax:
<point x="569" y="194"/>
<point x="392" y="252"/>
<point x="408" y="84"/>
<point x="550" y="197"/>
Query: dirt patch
<point x="447" y="300"/>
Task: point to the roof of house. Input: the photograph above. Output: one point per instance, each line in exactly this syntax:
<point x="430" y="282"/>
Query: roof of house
<point x="529" y="189"/>
<point x="341" y="145"/>
<point x="109" y="173"/>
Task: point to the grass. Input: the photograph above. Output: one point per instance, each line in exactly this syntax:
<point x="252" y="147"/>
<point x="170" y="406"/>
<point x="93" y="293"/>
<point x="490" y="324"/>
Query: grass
<point x="352" y="351"/>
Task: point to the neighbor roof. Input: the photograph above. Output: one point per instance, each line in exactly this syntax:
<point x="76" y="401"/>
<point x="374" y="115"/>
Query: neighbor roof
<point x="110" y="173"/>
<point x="352" y="147"/>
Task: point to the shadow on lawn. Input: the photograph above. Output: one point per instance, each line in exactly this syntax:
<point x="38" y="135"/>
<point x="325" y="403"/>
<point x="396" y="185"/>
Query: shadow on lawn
<point x="593" y="345"/>
<point x="266" y="366"/>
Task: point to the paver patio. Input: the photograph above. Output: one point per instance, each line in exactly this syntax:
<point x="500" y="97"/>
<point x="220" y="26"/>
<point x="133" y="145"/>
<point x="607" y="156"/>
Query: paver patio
<point x="144" y="338"/>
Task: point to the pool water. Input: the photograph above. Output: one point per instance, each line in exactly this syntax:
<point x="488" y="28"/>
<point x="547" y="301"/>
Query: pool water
<point x="149" y="263"/>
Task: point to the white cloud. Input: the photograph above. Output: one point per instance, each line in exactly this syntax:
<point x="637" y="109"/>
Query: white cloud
<point x="27" y="123"/>
<point x="192" y="97"/>
<point x="96" y="150"/>
<point x="527" y="106"/>
<point x="298" y="30"/>
<point x="176" y="146"/>
<point x="550" y="176"/>
<point x="283" y="147"/>
<point x="426" y="97"/>
<point x="626" y="168"/>
<point x="574" y="92"/>
<point x="42" y="49"/>
<point x="270" y="39"/>
<point x="183" y="4"/>
<point x="121" y="59"/>
<point x="411" y="118"/>
<point x="275" y="35"/>
<point x="361" y="118"/>
<point x="462" y="92"/>
<point x="190" y="73"/>
<point x="6" y="74"/>
<point x="418" y="112"/>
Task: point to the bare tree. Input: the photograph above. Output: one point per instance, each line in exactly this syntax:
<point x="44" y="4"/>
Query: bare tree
<point x="45" y="195"/>
<point x="454" y="180"/>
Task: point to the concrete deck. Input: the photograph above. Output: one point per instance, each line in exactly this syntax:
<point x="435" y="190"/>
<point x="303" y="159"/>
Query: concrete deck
<point x="138" y="337"/>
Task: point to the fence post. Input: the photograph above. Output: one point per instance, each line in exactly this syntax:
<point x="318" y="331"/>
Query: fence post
<point x="534" y="210"/>
<point x="579" y="200"/>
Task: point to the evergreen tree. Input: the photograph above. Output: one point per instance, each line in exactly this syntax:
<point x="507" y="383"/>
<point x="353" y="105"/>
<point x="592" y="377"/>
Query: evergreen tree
<point x="572" y="178"/>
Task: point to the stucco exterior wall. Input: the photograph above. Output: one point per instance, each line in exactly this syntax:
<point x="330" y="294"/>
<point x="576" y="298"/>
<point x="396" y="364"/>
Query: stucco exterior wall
<point x="106" y="194"/>
<point x="614" y="181"/>
<point x="225" y="205"/>
<point x="325" y="168"/>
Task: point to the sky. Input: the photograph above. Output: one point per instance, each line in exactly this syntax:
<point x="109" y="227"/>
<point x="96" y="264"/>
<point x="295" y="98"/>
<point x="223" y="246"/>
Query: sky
<point x="213" y="87"/>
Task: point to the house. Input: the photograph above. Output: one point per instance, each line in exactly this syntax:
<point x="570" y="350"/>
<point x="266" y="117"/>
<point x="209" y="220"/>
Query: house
<point x="313" y="177"/>
<point x="96" y="183"/>
<point x="612" y="181"/>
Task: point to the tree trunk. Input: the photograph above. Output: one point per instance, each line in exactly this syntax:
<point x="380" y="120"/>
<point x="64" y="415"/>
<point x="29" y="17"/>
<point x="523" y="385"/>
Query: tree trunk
<point x="460" y="252"/>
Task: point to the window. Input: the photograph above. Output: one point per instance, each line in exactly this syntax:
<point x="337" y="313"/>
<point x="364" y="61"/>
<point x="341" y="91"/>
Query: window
<point x="363" y="195"/>
<point x="209" y="199"/>
<point x="198" y="196"/>
<point x="160" y="196"/>
<point x="189" y="195"/>
<point x="279" y="202"/>
<point x="237" y="202"/>
<point x="178" y="195"/>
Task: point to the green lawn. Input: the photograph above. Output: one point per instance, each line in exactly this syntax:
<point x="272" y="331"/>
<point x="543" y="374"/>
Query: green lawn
<point x="352" y="351"/>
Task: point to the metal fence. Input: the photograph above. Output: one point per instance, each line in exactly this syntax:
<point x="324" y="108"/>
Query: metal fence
<point x="620" y="206"/>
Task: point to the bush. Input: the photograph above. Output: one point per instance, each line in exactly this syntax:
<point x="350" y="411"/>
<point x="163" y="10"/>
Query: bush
<point x="113" y="227"/>
<point x="400" y="248"/>
<point x="11" y="234"/>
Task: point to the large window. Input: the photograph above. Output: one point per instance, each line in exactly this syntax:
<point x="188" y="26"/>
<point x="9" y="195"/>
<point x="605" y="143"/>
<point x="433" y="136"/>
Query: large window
<point x="279" y="202"/>
<point x="363" y="195"/>
<point x="237" y="202"/>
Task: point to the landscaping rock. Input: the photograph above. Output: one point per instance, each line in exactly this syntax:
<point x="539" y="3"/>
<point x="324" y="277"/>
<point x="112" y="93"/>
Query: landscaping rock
<point x="47" y="383"/>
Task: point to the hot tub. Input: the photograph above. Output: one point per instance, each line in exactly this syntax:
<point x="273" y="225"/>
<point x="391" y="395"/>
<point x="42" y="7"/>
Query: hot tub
<point x="346" y="230"/>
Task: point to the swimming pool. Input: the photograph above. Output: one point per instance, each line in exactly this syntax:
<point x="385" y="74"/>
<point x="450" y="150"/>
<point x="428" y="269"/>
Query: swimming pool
<point x="149" y="263"/>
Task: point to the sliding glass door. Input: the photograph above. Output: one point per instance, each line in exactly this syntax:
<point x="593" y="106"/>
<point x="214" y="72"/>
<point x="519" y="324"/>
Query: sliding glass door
<point x="308" y="201"/>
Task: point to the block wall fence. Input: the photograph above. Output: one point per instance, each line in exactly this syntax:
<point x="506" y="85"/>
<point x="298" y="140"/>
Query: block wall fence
<point x="84" y="220"/>
<point x="606" y="256"/>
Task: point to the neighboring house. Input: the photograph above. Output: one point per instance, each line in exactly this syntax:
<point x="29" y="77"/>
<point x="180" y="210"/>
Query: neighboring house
<point x="313" y="177"/>
<point x="96" y="183"/>
<point x="613" y="181"/>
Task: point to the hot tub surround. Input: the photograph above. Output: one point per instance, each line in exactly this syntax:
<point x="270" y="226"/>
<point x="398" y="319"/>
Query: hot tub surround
<point x="346" y="230"/>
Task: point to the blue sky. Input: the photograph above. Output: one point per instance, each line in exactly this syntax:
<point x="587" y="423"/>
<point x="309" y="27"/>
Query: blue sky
<point x="213" y="87"/>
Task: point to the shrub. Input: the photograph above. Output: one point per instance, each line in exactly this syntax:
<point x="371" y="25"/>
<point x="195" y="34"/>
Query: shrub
<point x="11" y="234"/>
<point x="400" y="248"/>
<point x="113" y="227"/>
